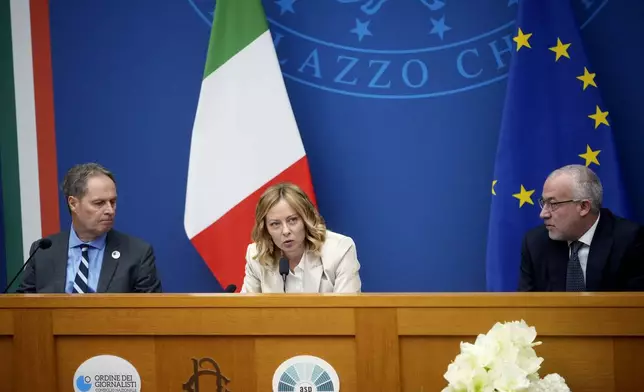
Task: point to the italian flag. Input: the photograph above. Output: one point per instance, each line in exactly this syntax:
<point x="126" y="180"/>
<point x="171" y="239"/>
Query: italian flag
<point x="244" y="138"/>
<point x="28" y="174"/>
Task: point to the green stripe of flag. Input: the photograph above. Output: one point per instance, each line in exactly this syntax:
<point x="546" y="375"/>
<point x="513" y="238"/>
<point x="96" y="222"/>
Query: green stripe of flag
<point x="237" y="23"/>
<point x="9" y="147"/>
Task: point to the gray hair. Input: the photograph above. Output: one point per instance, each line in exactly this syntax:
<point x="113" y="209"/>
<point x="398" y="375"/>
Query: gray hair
<point x="585" y="184"/>
<point x="75" y="182"/>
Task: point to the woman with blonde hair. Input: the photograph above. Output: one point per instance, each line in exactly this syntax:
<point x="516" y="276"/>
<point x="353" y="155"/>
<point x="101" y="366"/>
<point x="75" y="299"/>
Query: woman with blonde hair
<point x="288" y="226"/>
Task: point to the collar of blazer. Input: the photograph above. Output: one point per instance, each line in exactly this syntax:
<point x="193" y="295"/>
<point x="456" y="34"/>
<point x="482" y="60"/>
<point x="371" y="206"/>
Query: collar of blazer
<point x="112" y="244"/>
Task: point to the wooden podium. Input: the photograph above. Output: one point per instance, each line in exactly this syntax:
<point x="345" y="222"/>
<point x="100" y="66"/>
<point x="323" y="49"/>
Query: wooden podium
<point x="375" y="342"/>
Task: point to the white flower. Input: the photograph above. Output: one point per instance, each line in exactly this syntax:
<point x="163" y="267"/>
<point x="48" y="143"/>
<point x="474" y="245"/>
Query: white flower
<point x="503" y="360"/>
<point x="517" y="332"/>
<point x="533" y="377"/>
<point x="485" y="349"/>
<point x="507" y="376"/>
<point x="528" y="360"/>
<point x="460" y="372"/>
<point x="550" y="383"/>
<point x="464" y="375"/>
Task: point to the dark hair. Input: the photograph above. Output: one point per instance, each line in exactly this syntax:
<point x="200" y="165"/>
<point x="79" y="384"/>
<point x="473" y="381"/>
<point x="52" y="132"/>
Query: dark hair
<point x="75" y="182"/>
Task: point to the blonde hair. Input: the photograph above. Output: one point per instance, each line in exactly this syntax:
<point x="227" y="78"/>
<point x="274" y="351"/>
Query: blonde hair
<point x="314" y="226"/>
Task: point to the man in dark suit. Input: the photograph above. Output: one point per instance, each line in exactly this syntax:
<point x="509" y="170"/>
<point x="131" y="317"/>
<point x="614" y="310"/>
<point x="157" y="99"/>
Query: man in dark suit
<point x="91" y="257"/>
<point x="581" y="246"/>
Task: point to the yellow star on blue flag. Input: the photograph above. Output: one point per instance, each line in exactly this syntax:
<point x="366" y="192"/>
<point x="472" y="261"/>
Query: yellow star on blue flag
<point x="548" y="122"/>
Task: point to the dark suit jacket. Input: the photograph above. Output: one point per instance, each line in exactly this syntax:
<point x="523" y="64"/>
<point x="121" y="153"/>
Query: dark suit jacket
<point x="615" y="261"/>
<point x="133" y="272"/>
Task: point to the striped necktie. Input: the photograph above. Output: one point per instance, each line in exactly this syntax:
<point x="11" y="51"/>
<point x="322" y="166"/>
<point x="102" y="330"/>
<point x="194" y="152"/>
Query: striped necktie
<point x="81" y="283"/>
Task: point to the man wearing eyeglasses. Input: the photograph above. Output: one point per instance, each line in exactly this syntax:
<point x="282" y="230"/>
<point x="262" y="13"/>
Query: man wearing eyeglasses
<point x="581" y="246"/>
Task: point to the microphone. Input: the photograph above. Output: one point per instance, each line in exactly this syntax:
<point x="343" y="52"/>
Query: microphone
<point x="230" y="288"/>
<point x="284" y="270"/>
<point x="42" y="244"/>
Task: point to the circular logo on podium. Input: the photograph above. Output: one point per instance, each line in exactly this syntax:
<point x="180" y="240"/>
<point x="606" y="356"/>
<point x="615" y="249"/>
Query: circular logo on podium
<point x="305" y="373"/>
<point x="106" y="373"/>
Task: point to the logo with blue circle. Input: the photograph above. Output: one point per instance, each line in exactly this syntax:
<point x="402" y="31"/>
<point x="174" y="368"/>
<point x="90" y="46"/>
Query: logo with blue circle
<point x="83" y="383"/>
<point x="106" y="373"/>
<point x="402" y="49"/>
<point x="305" y="373"/>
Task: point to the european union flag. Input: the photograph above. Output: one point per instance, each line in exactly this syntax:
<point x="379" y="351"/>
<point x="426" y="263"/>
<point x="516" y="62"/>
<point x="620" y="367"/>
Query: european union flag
<point x="553" y="116"/>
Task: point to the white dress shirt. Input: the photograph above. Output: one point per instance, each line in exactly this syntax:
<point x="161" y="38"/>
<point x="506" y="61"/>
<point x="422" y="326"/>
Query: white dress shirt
<point x="300" y="280"/>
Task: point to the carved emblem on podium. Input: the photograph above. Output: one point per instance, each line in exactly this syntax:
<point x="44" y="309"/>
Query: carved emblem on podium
<point x="200" y="369"/>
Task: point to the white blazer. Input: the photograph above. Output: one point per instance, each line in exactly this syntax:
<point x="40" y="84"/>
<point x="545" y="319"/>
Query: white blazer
<point x="336" y="271"/>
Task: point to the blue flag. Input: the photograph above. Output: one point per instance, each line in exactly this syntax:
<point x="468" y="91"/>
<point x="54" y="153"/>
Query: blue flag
<point x="553" y="116"/>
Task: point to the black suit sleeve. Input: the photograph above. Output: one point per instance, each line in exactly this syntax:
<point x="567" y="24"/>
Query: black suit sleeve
<point x="146" y="279"/>
<point x="526" y="278"/>
<point x="633" y="264"/>
<point x="28" y="283"/>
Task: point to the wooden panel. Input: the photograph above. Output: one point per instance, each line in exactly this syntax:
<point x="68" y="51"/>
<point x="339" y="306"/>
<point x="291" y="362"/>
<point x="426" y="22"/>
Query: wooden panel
<point x="424" y="361"/>
<point x="364" y="300"/>
<point x="553" y="321"/>
<point x="628" y="363"/>
<point x="203" y="322"/>
<point x="377" y="349"/>
<point x="234" y="356"/>
<point x="585" y="363"/>
<point x="73" y="351"/>
<point x="6" y="363"/>
<point x="6" y="322"/>
<point x="340" y="353"/>
<point x="33" y="348"/>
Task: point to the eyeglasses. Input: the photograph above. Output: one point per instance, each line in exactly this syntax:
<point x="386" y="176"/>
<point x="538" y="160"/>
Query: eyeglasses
<point x="553" y="205"/>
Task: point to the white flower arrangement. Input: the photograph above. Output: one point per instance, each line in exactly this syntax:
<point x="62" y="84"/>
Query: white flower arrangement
<point x="503" y="360"/>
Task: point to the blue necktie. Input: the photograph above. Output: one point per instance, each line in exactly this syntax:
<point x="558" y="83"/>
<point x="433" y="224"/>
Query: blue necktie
<point x="81" y="282"/>
<point x="575" y="275"/>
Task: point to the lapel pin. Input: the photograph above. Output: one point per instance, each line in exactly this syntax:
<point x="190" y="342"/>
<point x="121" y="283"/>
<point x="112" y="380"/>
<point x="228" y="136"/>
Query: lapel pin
<point x="116" y="254"/>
